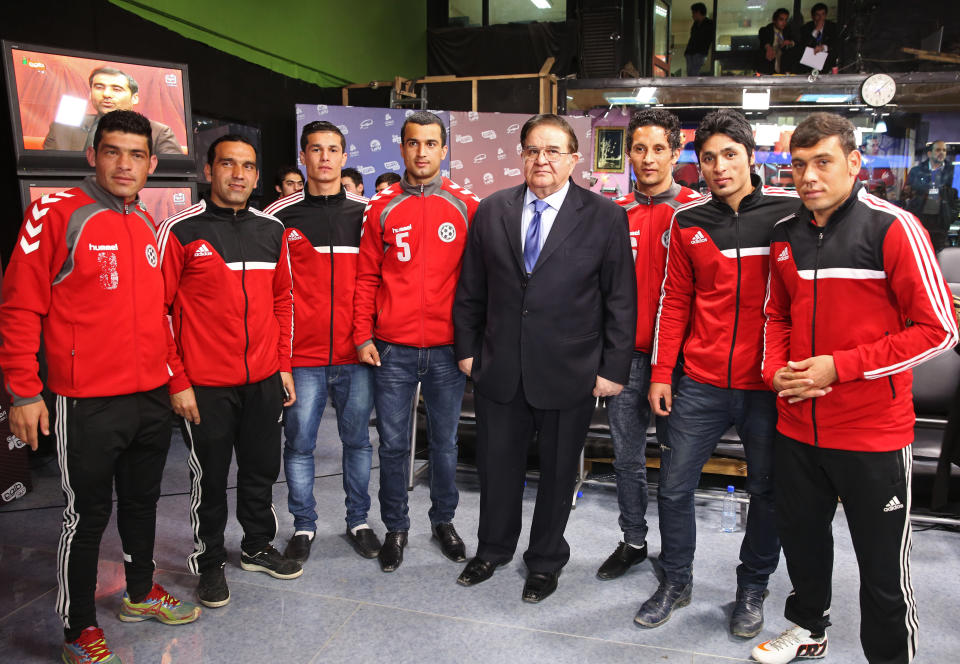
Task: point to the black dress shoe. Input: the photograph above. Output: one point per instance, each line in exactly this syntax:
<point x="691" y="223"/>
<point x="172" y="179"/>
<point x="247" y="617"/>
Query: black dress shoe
<point x="391" y="553"/>
<point x="450" y="543"/>
<point x="477" y="571"/>
<point x="661" y="605"/>
<point x="621" y="560"/>
<point x="539" y="586"/>
<point x="747" y="618"/>
<point x="298" y="548"/>
<point x="365" y="542"/>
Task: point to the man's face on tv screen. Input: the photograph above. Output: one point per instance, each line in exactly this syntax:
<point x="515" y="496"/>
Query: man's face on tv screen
<point x="111" y="92"/>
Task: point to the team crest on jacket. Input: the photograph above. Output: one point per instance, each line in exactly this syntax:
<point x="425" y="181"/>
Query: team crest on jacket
<point x="665" y="238"/>
<point x="151" y="252"/>
<point x="447" y="232"/>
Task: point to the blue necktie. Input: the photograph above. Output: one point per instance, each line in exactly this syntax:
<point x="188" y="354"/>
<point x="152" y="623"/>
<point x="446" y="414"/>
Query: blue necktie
<point x="531" y="246"/>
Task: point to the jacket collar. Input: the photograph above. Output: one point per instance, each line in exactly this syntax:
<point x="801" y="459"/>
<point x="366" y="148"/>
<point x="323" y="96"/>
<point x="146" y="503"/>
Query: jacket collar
<point x="748" y="201"/>
<point x="321" y="200"/>
<point x="429" y="189"/>
<point x="104" y="197"/>
<point x="227" y="213"/>
<point x="838" y="215"/>
<point x="672" y="192"/>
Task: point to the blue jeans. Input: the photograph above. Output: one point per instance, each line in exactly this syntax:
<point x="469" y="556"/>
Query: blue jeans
<point x="700" y="415"/>
<point x="350" y="388"/>
<point x="629" y="415"/>
<point x="442" y="384"/>
<point x="695" y="63"/>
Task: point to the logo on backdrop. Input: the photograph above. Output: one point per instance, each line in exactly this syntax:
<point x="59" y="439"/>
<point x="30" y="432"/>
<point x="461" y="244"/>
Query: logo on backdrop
<point x="322" y="109"/>
<point x="464" y="138"/>
<point x="489" y="134"/>
<point x="513" y="129"/>
<point x="456" y="163"/>
<point x="374" y="145"/>
<point x="170" y="80"/>
<point x="343" y="129"/>
<point x="392" y="165"/>
<point x="366" y="124"/>
<point x="488" y="178"/>
<point x="387" y="120"/>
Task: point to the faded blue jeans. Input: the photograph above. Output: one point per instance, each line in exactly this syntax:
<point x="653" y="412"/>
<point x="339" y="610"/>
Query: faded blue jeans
<point x="350" y="388"/>
<point x="442" y="385"/>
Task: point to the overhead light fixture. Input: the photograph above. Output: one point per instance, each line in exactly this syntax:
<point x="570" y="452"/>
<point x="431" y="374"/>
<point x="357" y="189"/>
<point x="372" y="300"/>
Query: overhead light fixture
<point x="541" y="4"/>
<point x="756" y="100"/>
<point x="881" y="127"/>
<point x="825" y="98"/>
<point x="645" y="95"/>
<point x="661" y="11"/>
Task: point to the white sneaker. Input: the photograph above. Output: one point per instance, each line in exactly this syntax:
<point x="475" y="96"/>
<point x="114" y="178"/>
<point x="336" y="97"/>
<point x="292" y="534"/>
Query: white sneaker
<point x="795" y="643"/>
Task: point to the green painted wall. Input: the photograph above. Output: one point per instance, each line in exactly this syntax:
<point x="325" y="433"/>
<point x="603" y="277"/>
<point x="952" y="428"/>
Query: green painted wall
<point x="326" y="42"/>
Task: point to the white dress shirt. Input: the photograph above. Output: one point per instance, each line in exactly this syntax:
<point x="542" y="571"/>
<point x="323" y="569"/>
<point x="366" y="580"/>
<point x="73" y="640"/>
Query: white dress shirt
<point x="554" y="200"/>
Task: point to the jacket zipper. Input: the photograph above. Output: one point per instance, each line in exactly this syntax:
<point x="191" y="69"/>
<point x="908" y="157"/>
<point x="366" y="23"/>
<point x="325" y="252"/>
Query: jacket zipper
<point x="813" y="337"/>
<point x="246" y="299"/>
<point x="134" y="281"/>
<point x="423" y="266"/>
<point x="736" y="312"/>
<point x="893" y="390"/>
<point x="332" y="291"/>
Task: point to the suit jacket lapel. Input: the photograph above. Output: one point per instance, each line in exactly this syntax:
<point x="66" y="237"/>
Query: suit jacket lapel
<point x="568" y="218"/>
<point x="512" y="218"/>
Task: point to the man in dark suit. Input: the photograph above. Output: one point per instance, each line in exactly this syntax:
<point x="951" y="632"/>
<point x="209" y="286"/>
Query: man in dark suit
<point x="820" y="35"/>
<point x="777" y="44"/>
<point x="110" y="90"/>
<point x="544" y="320"/>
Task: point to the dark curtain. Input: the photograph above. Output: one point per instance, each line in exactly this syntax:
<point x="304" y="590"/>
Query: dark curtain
<point x="502" y="49"/>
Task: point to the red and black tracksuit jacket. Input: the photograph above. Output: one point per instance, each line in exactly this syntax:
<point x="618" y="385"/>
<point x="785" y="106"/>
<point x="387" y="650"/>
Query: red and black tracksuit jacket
<point x="716" y="280"/>
<point x="227" y="286"/>
<point x="86" y="273"/>
<point x="865" y="288"/>
<point x="649" y="218"/>
<point x="323" y="241"/>
<point x="410" y="257"/>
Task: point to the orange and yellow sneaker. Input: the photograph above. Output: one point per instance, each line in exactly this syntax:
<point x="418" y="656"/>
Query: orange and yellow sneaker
<point x="159" y="605"/>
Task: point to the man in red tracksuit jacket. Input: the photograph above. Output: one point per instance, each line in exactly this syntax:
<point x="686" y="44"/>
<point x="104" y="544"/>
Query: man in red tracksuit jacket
<point x="654" y="141"/>
<point x="85" y="274"/>
<point x="323" y="225"/>
<point x="715" y="284"/>
<point x="856" y="300"/>
<point x="227" y="287"/>
<point x="414" y="234"/>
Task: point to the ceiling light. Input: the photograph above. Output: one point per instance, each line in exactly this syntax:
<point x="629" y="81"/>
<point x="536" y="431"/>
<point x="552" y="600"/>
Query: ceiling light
<point x="881" y="128"/>
<point x="756" y="100"/>
<point x="541" y="4"/>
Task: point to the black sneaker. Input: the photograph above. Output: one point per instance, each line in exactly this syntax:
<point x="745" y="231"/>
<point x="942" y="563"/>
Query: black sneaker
<point x="298" y="548"/>
<point x="365" y="542"/>
<point x="271" y="562"/>
<point x="212" y="589"/>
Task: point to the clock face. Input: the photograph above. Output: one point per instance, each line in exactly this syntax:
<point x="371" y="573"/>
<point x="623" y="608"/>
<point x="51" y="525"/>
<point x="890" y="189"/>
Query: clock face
<point x="878" y="90"/>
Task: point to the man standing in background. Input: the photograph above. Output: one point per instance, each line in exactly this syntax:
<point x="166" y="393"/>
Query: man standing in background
<point x="654" y="141"/>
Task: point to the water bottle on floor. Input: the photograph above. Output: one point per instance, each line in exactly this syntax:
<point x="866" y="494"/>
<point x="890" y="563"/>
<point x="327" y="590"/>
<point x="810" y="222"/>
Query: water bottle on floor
<point x="728" y="517"/>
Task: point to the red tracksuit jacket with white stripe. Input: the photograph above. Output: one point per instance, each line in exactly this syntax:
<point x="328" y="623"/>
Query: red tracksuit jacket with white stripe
<point x="410" y="257"/>
<point x="227" y="287"/>
<point x="649" y="218"/>
<point x="323" y="240"/>
<point x="848" y="289"/>
<point x="716" y="280"/>
<point x="86" y="273"/>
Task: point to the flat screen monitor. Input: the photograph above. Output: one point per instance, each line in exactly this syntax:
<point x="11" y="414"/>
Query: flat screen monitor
<point x="57" y="96"/>
<point x="162" y="198"/>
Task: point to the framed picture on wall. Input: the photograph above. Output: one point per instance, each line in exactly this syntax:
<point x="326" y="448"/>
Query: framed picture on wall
<point x="608" y="147"/>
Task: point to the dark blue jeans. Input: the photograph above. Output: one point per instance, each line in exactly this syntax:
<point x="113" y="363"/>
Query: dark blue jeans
<point x="350" y="388"/>
<point x="441" y="384"/>
<point x="700" y="415"/>
<point x="629" y="415"/>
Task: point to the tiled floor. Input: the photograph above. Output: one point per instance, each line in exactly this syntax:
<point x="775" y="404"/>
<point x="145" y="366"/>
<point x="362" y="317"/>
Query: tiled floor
<point x="343" y="609"/>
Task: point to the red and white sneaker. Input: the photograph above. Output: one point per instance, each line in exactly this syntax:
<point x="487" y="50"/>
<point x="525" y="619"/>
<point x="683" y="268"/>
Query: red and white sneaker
<point x="795" y="643"/>
<point x="89" y="648"/>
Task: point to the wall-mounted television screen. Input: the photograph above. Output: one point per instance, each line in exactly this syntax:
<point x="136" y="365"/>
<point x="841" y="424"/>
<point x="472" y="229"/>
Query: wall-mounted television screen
<point x="162" y="198"/>
<point x="58" y="96"/>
